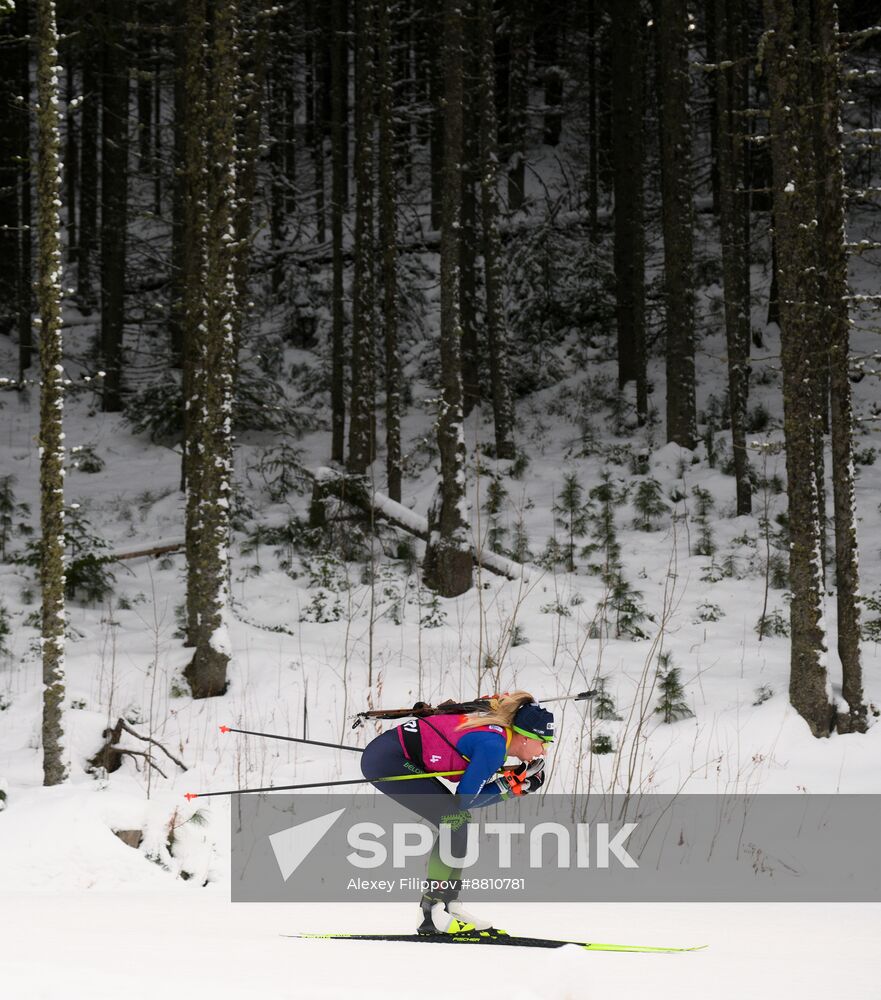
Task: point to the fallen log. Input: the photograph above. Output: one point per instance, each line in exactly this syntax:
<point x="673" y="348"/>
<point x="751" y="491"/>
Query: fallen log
<point x="357" y="491"/>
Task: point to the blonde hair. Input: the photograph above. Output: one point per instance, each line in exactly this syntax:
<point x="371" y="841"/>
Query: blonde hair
<point x="501" y="710"/>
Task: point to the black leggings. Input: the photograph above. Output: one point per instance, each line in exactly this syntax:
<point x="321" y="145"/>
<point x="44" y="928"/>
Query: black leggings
<point x="384" y="757"/>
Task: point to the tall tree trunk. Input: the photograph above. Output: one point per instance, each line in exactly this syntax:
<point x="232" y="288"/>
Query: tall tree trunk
<point x="833" y="300"/>
<point x="468" y="243"/>
<point x="194" y="250"/>
<point x="114" y="184"/>
<point x="157" y="131"/>
<point x="518" y="95"/>
<point x="389" y="250"/>
<point x="10" y="160"/>
<point x="711" y="83"/>
<point x="51" y="396"/>
<point x="144" y="88"/>
<point x="25" y="255"/>
<point x="496" y="331"/>
<point x="214" y="351"/>
<point x="730" y="85"/>
<point x="547" y="58"/>
<point x="627" y="155"/>
<point x="788" y="61"/>
<point x="362" y="429"/>
<point x="678" y="219"/>
<point x="177" y="319"/>
<point x="435" y="115"/>
<point x="447" y="565"/>
<point x="593" y="159"/>
<point x="339" y="58"/>
<point x="318" y="53"/>
<point x="89" y="162"/>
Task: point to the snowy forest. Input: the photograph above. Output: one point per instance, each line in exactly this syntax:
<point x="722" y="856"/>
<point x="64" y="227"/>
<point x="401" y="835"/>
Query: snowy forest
<point x="361" y="353"/>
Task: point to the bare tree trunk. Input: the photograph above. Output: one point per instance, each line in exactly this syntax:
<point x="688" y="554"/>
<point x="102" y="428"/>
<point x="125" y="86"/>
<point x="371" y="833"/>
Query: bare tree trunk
<point x="788" y="61"/>
<point x="470" y="177"/>
<point x="214" y="353"/>
<point x="144" y="69"/>
<point x="833" y="300"/>
<point x="518" y="93"/>
<point x="734" y="225"/>
<point x="627" y="142"/>
<point x="339" y="102"/>
<point x="9" y="158"/>
<point x="194" y="228"/>
<point x="389" y="251"/>
<point x="89" y="164"/>
<point x="593" y="159"/>
<point x="177" y="319"/>
<point x="51" y="396"/>
<point x="362" y="429"/>
<point x="25" y="255"/>
<point x="114" y="184"/>
<point x="678" y="219"/>
<point x="496" y="332"/>
<point x="436" y="119"/>
<point x="447" y="565"/>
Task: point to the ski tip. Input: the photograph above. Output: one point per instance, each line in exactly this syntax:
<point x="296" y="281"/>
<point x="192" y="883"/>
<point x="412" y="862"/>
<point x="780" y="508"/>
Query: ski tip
<point x="189" y="796"/>
<point x="224" y="729"/>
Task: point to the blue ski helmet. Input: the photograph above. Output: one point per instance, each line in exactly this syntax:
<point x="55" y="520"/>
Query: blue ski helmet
<point x="535" y="722"/>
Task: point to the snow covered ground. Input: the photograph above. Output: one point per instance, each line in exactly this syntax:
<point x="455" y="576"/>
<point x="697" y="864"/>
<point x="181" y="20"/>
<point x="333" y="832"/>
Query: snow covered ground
<point x="178" y="943"/>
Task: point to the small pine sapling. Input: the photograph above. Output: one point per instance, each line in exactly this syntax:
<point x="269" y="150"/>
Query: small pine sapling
<point x="603" y="705"/>
<point x="603" y="499"/>
<point x="772" y="623"/>
<point x="649" y="505"/>
<point x="518" y="636"/>
<point x="87" y="576"/>
<point x="520" y="542"/>
<point x="12" y="514"/>
<point x="5" y="630"/>
<point x="629" y="614"/>
<point x="671" y="704"/>
<point x="571" y="515"/>
<point x="496" y="495"/>
<point x="704" y="503"/>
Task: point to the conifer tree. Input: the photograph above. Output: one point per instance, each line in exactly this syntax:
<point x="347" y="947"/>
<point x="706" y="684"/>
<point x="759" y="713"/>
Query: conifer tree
<point x="731" y="90"/>
<point x="213" y="351"/>
<point x="571" y="514"/>
<point x="51" y="395"/>
<point x="678" y="219"/>
<point x="114" y="196"/>
<point x="389" y="251"/>
<point x="447" y="566"/>
<point x="671" y="705"/>
<point x="362" y="422"/>
<point x="627" y="134"/>
<point x="833" y="302"/>
<point x="496" y="332"/>
<point x="788" y="60"/>
<point x="339" y="55"/>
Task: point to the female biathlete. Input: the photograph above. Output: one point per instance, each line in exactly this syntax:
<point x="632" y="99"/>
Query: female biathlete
<point x="477" y="744"/>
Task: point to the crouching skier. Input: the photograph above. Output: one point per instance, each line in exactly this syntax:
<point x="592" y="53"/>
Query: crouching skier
<point x="515" y="726"/>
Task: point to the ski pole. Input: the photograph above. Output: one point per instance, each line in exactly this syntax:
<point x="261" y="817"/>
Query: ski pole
<point x="291" y="739"/>
<point x="320" y="784"/>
